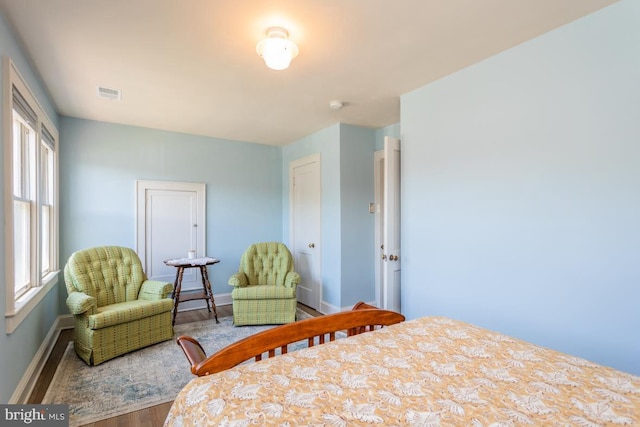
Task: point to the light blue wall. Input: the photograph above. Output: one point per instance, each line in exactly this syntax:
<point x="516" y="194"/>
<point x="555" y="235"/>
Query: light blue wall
<point x="521" y="191"/>
<point x="356" y="192"/>
<point x="391" y="130"/>
<point x="100" y="163"/>
<point x="347" y="228"/>
<point x="327" y="143"/>
<point x="17" y="349"/>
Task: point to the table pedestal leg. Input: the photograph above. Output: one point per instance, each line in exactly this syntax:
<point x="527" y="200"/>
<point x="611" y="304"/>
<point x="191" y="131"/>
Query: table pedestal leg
<point x="207" y="290"/>
<point x="176" y="293"/>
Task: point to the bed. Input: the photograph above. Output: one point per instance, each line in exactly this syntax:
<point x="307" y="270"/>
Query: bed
<point x="425" y="372"/>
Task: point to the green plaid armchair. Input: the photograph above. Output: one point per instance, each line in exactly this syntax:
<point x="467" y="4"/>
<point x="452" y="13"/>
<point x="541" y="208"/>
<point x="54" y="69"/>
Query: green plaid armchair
<point x="264" y="288"/>
<point x="115" y="308"/>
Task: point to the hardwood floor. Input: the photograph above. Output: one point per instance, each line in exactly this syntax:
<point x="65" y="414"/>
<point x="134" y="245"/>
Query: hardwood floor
<point x="149" y="417"/>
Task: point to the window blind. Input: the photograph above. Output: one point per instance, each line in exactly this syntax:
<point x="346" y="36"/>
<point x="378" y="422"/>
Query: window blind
<point x="22" y="107"/>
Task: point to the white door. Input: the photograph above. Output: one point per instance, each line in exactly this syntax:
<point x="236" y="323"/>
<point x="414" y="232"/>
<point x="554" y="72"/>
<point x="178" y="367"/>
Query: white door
<point x="391" y="225"/>
<point x="305" y="196"/>
<point x="170" y="223"/>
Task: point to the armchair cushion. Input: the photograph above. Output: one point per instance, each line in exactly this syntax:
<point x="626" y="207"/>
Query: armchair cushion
<point x="124" y="312"/>
<point x="266" y="263"/>
<point x="263" y="292"/>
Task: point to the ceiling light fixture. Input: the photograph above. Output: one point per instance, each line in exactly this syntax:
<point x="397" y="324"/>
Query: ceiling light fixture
<point x="277" y="50"/>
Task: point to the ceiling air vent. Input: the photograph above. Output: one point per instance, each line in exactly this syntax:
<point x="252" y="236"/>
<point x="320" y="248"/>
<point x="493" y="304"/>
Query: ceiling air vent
<point x="108" y="93"/>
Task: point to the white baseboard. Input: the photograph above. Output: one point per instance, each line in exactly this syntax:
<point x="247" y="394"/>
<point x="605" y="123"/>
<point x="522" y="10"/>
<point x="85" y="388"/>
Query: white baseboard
<point x="326" y="308"/>
<point x="223" y="299"/>
<point x="66" y="321"/>
<point x="28" y="382"/>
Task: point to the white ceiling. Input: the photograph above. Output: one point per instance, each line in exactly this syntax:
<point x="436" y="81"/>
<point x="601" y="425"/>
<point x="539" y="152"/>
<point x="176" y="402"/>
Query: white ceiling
<point x="190" y="65"/>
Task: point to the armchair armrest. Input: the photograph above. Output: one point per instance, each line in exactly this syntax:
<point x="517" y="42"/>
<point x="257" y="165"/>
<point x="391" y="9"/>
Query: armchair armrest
<point x="239" y="280"/>
<point x="154" y="290"/>
<point x="79" y="303"/>
<point x="292" y="279"/>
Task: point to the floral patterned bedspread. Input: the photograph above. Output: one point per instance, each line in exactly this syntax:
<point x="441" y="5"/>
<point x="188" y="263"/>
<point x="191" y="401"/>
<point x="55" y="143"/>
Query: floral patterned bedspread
<point x="425" y="372"/>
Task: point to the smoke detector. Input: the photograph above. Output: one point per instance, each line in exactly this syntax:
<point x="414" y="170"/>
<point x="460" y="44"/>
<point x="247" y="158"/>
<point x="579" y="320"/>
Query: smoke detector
<point x="108" y="93"/>
<point x="335" y="105"/>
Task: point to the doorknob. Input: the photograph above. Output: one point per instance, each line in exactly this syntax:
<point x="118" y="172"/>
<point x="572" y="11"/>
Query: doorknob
<point x="393" y="257"/>
<point x="312" y="245"/>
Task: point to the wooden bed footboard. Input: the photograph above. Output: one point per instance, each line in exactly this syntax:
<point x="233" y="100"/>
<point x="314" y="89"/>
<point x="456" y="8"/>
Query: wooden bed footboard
<point x="316" y="330"/>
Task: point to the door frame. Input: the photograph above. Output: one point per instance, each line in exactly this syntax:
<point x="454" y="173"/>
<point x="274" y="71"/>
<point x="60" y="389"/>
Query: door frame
<point x="378" y="197"/>
<point x="312" y="158"/>
<point x="142" y="186"/>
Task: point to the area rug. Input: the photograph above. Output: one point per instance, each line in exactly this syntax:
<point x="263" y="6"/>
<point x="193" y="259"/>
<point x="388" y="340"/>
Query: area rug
<point x="137" y="380"/>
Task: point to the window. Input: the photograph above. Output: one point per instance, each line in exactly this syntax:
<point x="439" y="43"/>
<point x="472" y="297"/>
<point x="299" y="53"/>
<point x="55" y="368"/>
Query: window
<point x="30" y="144"/>
<point x="47" y="169"/>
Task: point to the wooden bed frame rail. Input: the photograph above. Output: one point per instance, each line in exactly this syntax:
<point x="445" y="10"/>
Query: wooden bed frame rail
<point x="316" y="330"/>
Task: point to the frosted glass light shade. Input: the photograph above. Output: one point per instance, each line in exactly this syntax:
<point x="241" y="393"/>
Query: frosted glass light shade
<point x="277" y="50"/>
